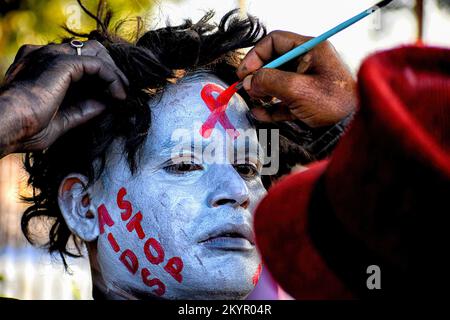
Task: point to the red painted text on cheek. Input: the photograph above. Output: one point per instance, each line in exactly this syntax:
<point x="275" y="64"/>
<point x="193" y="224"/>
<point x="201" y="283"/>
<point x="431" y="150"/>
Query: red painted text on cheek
<point x="135" y="225"/>
<point x="153" y="250"/>
<point x="123" y="204"/>
<point x="158" y="256"/>
<point x="130" y="261"/>
<point x="174" y="267"/>
<point x="160" y="287"/>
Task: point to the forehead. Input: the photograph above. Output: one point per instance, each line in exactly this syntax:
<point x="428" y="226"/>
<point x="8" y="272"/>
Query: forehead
<point x="181" y="106"/>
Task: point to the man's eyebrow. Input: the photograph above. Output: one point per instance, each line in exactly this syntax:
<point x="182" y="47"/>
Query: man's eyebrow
<point x="169" y="145"/>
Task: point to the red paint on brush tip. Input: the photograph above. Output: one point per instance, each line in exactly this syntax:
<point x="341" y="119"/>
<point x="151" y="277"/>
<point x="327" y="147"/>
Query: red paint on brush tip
<point x="225" y="96"/>
<point x="218" y="106"/>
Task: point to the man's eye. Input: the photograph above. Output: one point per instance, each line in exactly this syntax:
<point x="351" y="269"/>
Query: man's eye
<point x="247" y="170"/>
<point x="183" y="167"/>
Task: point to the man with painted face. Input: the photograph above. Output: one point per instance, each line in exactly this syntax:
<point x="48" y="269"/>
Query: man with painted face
<point x="160" y="185"/>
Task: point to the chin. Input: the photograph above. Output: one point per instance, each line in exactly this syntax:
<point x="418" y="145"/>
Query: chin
<point x="240" y="264"/>
<point x="228" y="284"/>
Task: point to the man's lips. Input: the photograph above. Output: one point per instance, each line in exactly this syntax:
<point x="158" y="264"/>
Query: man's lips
<point x="230" y="236"/>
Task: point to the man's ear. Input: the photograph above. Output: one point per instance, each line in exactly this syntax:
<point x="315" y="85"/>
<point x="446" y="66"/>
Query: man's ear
<point x="76" y="207"/>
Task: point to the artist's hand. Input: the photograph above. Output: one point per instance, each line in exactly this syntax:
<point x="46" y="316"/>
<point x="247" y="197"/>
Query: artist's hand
<point x="35" y="108"/>
<point x="317" y="88"/>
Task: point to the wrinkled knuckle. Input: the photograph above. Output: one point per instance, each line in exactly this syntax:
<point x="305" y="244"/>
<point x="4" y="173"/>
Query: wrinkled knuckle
<point x="292" y="85"/>
<point x="60" y="59"/>
<point x="276" y="32"/>
<point x="95" y="62"/>
<point x="63" y="63"/>
<point x="96" y="45"/>
<point x="258" y="80"/>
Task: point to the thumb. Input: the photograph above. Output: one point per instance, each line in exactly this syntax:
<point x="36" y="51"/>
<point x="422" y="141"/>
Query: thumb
<point x="286" y="86"/>
<point x="62" y="122"/>
<point x="277" y="112"/>
<point x="77" y="115"/>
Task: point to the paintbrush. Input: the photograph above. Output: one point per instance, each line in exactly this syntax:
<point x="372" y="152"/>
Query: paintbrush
<point x="307" y="46"/>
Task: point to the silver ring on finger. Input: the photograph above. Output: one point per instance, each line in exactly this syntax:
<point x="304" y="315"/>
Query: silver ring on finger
<point x="77" y="44"/>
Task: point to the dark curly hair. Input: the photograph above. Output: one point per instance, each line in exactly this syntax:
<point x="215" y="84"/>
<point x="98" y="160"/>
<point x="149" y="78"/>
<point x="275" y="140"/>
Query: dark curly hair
<point x="150" y="62"/>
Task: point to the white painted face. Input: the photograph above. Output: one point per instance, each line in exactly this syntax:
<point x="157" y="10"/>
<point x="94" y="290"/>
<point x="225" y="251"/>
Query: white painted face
<point x="181" y="227"/>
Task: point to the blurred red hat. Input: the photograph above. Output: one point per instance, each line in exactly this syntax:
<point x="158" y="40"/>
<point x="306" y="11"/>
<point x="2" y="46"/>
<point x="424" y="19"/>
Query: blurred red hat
<point x="382" y="198"/>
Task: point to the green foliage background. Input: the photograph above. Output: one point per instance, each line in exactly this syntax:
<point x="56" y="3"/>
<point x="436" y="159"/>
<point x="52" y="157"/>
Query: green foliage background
<point x="40" y="21"/>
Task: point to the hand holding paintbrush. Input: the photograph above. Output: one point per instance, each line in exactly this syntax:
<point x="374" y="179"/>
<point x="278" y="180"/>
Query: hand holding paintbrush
<point x="315" y="87"/>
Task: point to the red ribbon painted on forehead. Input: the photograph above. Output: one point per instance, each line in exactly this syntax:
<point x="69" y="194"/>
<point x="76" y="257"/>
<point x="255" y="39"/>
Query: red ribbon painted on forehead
<point x="218" y="107"/>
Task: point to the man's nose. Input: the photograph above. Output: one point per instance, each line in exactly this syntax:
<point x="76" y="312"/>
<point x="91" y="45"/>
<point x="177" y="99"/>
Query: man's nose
<point x="230" y="190"/>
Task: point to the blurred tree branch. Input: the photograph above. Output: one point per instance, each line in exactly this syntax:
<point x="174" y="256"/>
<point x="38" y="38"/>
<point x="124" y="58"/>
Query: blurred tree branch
<point x="39" y="21"/>
<point x="417" y="7"/>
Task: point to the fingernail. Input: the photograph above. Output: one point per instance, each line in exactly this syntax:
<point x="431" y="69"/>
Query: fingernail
<point x="248" y="83"/>
<point x="242" y="69"/>
<point x="307" y="57"/>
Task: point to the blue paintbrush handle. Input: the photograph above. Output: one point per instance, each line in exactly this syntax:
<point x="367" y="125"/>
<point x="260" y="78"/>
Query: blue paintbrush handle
<point x="307" y="46"/>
